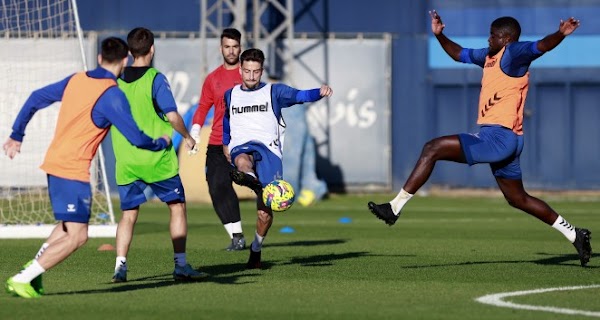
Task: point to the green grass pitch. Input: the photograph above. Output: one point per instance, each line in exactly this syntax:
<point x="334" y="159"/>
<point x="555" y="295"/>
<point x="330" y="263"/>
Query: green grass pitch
<point x="440" y="256"/>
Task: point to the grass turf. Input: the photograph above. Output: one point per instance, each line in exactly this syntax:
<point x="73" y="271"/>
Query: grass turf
<point x="440" y="256"/>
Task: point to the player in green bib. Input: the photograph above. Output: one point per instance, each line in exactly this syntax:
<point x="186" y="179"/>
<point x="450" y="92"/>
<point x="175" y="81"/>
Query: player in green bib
<point x="137" y="164"/>
<point x="155" y="112"/>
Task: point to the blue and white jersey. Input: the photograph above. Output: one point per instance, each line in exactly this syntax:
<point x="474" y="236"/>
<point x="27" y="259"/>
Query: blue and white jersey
<point x="252" y="118"/>
<point x="254" y="115"/>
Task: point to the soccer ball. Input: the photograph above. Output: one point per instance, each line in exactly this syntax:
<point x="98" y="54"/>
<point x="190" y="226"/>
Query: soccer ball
<point x="278" y="195"/>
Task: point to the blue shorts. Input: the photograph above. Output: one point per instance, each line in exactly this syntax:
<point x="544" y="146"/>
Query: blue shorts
<point x="132" y="195"/>
<point x="267" y="165"/>
<point x="498" y="146"/>
<point x="70" y="199"/>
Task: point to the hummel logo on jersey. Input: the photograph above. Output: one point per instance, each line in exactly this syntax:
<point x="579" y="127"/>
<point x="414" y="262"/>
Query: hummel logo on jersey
<point x="71" y="207"/>
<point x="253" y="108"/>
<point x="490" y="104"/>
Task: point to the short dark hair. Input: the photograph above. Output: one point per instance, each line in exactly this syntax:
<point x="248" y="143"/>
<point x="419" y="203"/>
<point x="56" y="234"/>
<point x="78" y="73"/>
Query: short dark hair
<point x="508" y="25"/>
<point x="114" y="49"/>
<point x="253" y="54"/>
<point x="231" y="33"/>
<point x="140" y="40"/>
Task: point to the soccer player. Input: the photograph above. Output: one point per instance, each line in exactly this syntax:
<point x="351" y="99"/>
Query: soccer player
<point x="91" y="103"/>
<point x="253" y="132"/>
<point x="224" y="198"/>
<point x="499" y="141"/>
<point x="154" y="110"/>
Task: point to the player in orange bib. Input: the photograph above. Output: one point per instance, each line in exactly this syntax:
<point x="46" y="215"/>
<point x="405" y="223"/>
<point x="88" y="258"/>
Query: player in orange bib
<point x="499" y="141"/>
<point x="91" y="104"/>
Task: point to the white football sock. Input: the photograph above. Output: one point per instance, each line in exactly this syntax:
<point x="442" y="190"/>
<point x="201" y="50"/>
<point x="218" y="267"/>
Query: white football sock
<point x="180" y="259"/>
<point x="30" y="273"/>
<point x="236" y="227"/>
<point x="257" y="243"/>
<point x="228" y="228"/>
<point x="400" y="200"/>
<point x="121" y="263"/>
<point x="565" y="228"/>
<point x="42" y="249"/>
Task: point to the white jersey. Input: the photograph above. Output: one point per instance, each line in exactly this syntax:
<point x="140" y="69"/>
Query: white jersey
<point x="251" y="119"/>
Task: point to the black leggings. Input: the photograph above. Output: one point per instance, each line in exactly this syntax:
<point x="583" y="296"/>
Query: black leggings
<point x="224" y="198"/>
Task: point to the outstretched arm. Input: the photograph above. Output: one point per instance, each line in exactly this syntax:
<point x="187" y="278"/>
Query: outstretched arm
<point x="38" y="99"/>
<point x="310" y="95"/>
<point x="437" y="26"/>
<point x="552" y="40"/>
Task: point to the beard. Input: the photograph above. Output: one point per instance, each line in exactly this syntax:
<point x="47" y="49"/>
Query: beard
<point x="231" y="60"/>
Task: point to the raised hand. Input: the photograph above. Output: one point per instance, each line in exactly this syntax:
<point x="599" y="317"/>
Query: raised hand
<point x="567" y="27"/>
<point x="326" y="91"/>
<point x="437" y="26"/>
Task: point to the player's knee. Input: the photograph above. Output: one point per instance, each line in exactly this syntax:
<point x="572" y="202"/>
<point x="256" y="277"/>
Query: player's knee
<point x="518" y="201"/>
<point x="430" y="148"/>
<point x="82" y="240"/>
<point x="78" y="240"/>
<point x="130" y="216"/>
<point x="264" y="216"/>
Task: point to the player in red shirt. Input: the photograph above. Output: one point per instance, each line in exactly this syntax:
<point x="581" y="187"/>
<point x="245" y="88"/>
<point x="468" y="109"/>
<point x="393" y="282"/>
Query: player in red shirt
<point x="220" y="187"/>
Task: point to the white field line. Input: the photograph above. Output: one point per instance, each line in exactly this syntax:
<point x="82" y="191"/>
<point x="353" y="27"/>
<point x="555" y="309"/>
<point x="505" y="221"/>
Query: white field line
<point x="497" y="300"/>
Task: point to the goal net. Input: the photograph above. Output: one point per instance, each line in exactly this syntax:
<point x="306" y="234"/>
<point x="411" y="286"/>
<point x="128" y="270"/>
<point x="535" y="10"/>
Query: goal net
<point x="41" y="43"/>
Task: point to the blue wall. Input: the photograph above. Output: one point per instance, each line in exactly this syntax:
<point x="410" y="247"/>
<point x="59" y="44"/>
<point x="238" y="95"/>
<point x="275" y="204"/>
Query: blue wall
<point x="431" y="94"/>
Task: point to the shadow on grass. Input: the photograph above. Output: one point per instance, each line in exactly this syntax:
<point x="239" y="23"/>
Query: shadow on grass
<point x="566" y="260"/>
<point x="230" y="274"/>
<point x="325" y="260"/>
<point x="310" y="243"/>
<point x="220" y="274"/>
<point x="165" y="280"/>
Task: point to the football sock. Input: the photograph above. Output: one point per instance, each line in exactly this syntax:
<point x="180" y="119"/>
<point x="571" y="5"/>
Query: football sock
<point x="42" y="249"/>
<point x="257" y="243"/>
<point x="236" y="227"/>
<point x="566" y="228"/>
<point x="180" y="259"/>
<point x="121" y="262"/>
<point x="400" y="200"/>
<point x="29" y="273"/>
<point x="228" y="228"/>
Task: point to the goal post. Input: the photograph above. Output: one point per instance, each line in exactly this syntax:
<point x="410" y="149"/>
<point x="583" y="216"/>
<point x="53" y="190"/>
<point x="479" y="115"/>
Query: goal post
<point x="41" y="43"/>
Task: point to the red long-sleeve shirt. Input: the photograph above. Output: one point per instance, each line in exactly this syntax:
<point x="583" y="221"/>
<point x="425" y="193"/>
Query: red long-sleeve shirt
<point x="213" y="89"/>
